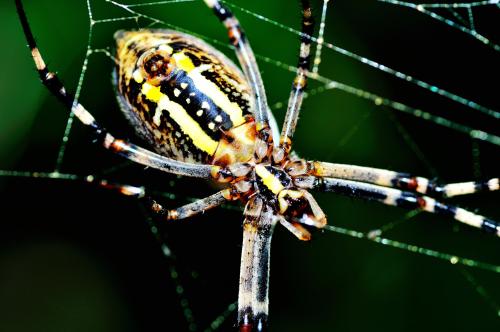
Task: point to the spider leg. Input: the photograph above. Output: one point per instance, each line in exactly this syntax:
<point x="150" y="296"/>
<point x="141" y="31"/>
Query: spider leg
<point x="297" y="229"/>
<point x="120" y="147"/>
<point x="247" y="61"/>
<point x="253" y="300"/>
<point x="189" y="210"/>
<point x="404" y="199"/>
<point x="399" y="180"/>
<point x="186" y="211"/>
<point x="298" y="86"/>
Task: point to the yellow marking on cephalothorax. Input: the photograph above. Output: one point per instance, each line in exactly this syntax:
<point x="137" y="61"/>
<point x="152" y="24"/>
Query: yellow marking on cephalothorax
<point x="269" y="180"/>
<point x="212" y="91"/>
<point x="188" y="125"/>
<point x="183" y="62"/>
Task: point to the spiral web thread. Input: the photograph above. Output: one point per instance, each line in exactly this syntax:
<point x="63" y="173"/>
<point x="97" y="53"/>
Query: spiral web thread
<point x="463" y="21"/>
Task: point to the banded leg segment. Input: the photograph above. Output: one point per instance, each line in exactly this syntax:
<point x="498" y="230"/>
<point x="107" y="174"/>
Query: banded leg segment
<point x="191" y="209"/>
<point x="298" y="86"/>
<point x="247" y="61"/>
<point x="120" y="147"/>
<point x="186" y="211"/>
<point x="404" y="199"/>
<point x="399" y="180"/>
<point x="253" y="298"/>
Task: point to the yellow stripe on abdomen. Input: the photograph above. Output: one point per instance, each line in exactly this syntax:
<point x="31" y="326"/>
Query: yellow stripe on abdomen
<point x="186" y="123"/>
<point x="220" y="98"/>
<point x="210" y="89"/>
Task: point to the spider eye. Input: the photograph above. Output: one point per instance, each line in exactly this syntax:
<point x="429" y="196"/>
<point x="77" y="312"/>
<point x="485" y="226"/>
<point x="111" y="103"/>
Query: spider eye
<point x="156" y="66"/>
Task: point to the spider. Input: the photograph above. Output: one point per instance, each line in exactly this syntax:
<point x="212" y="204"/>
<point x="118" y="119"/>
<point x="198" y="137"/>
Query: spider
<point x="205" y="118"/>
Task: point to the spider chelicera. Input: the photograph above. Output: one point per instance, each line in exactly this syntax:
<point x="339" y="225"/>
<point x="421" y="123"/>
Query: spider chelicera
<point x="207" y="119"/>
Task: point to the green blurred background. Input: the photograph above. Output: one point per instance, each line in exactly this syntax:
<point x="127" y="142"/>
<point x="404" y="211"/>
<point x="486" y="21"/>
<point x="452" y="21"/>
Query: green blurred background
<point x="77" y="258"/>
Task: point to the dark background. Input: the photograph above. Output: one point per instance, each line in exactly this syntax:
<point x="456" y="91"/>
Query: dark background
<point x="74" y="257"/>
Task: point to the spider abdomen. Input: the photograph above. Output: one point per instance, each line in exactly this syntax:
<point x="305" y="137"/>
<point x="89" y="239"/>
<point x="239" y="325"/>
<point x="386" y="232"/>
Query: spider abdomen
<point x="184" y="97"/>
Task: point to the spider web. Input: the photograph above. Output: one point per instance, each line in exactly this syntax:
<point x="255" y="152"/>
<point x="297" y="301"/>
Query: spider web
<point x="378" y="97"/>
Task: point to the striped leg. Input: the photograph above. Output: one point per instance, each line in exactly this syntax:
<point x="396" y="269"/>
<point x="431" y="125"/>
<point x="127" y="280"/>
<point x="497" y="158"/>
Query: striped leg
<point x="404" y="199"/>
<point x="120" y="147"/>
<point x="191" y="209"/>
<point x="186" y="211"/>
<point x="298" y="86"/>
<point x="253" y="298"/>
<point x="247" y="61"/>
<point x="403" y="181"/>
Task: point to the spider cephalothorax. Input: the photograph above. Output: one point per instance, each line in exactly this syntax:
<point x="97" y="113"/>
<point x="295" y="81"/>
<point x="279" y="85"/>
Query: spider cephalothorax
<point x="280" y="187"/>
